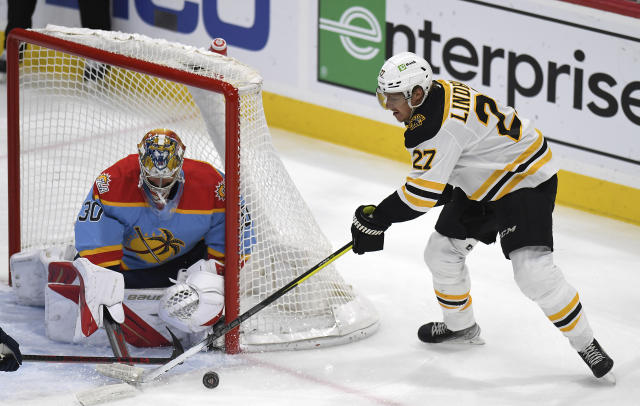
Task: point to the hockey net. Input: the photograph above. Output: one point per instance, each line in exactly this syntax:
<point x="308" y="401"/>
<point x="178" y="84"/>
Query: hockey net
<point x="79" y="100"/>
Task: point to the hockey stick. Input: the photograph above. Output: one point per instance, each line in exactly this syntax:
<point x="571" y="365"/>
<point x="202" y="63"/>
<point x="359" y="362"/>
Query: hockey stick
<point x="115" y="335"/>
<point x="133" y="374"/>
<point x="85" y="359"/>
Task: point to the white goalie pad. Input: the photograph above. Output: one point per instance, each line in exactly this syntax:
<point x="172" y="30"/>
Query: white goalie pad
<point x="29" y="272"/>
<point x="196" y="303"/>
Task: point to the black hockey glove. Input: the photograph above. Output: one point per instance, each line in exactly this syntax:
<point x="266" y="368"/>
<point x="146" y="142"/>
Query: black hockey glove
<point x="367" y="232"/>
<point x="10" y="356"/>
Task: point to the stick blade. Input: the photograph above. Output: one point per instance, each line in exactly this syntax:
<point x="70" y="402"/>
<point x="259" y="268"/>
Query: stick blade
<point x="122" y="372"/>
<point x="107" y="393"/>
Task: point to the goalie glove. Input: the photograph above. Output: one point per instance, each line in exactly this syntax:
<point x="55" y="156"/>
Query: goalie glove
<point x="195" y="302"/>
<point x="367" y="231"/>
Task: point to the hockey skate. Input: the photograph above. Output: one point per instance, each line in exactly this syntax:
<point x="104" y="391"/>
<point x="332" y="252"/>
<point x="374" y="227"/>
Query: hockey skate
<point x="598" y="360"/>
<point x="437" y="332"/>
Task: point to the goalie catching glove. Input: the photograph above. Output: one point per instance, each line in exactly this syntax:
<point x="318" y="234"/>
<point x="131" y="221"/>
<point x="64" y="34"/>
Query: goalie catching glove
<point x="196" y="300"/>
<point x="367" y="231"/>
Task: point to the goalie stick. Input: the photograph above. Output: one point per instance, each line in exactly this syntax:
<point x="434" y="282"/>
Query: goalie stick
<point x="138" y="375"/>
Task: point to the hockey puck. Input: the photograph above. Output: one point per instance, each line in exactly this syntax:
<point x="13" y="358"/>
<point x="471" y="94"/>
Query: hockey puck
<point x="210" y="379"/>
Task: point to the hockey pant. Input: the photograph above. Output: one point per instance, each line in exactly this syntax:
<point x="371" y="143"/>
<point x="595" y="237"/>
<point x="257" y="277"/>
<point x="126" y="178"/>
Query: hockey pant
<point x="534" y="272"/>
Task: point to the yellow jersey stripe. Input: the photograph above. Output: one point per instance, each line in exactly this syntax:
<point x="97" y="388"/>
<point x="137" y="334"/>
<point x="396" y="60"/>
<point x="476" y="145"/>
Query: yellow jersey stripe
<point x="451" y="297"/>
<point x="120" y="204"/>
<point x="109" y="263"/>
<point x="562" y="313"/>
<point x="572" y="325"/>
<point x="427" y="184"/>
<point x="468" y="304"/>
<point x="447" y="99"/>
<point x="418" y="202"/>
<point x="214" y="253"/>
<point x="100" y="250"/>
<point x="516" y="179"/>
<point x="183" y="211"/>
<point x="495" y="176"/>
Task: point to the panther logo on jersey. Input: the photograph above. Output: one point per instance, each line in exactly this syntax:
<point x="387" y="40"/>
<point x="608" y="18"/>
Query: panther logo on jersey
<point x="416" y="121"/>
<point x="102" y="183"/>
<point x="220" y="191"/>
<point x="156" y="248"/>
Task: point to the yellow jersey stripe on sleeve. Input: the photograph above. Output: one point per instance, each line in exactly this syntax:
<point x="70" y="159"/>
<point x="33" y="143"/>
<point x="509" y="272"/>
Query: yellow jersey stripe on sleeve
<point x="417" y="202"/>
<point x="426" y="184"/>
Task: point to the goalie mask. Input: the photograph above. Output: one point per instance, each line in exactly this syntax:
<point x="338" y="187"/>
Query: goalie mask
<point x="401" y="74"/>
<point x="161" y="154"/>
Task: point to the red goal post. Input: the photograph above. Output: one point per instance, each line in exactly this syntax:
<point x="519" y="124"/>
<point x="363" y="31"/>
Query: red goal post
<point x="193" y="90"/>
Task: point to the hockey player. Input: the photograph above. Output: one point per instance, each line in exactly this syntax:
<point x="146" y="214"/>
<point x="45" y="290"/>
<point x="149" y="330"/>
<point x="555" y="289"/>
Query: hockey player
<point x="147" y="217"/>
<point x="495" y="175"/>
<point x="10" y="356"/>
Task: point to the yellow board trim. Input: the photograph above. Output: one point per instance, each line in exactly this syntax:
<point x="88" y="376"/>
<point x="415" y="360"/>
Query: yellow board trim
<point x="574" y="190"/>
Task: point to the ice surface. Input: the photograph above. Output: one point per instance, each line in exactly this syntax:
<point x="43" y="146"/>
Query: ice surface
<point x="525" y="361"/>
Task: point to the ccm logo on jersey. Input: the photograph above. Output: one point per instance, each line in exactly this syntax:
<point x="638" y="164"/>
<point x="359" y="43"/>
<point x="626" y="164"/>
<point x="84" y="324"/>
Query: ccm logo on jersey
<point x="507" y="230"/>
<point x="102" y="183"/>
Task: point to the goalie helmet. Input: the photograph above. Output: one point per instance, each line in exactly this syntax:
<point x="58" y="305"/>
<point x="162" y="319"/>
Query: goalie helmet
<point x="161" y="154"/>
<point x="401" y="74"/>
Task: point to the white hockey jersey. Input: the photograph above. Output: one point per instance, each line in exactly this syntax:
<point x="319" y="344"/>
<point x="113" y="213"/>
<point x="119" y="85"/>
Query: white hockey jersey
<point x="473" y="142"/>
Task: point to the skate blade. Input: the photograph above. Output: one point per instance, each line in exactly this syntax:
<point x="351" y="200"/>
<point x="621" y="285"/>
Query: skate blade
<point x="104" y="394"/>
<point x="609" y="378"/>
<point x="473" y="341"/>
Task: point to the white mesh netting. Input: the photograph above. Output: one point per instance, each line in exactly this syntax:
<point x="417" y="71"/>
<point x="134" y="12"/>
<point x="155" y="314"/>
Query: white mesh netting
<point x="78" y="117"/>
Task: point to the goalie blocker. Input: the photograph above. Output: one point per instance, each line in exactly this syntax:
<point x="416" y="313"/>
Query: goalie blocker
<point x="75" y="294"/>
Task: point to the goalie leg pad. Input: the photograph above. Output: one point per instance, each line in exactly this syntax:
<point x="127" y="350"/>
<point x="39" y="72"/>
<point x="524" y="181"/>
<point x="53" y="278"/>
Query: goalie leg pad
<point x="29" y="273"/>
<point x="445" y="257"/>
<point x="62" y="313"/>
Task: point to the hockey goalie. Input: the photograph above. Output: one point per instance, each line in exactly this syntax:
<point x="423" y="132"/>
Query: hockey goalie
<point x="150" y="250"/>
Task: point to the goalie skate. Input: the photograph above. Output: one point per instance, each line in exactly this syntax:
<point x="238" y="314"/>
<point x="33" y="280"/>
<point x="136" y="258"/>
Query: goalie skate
<point x="437" y="332"/>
